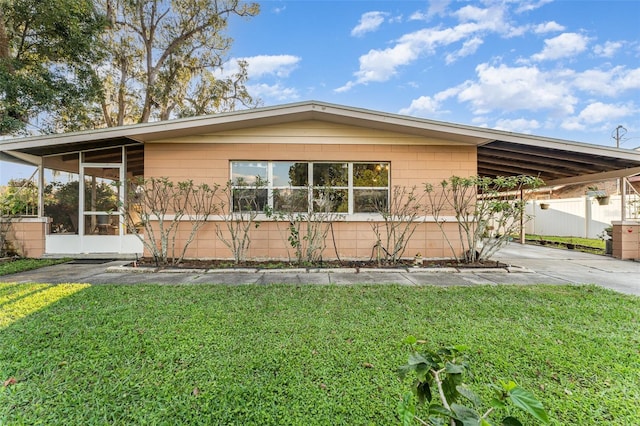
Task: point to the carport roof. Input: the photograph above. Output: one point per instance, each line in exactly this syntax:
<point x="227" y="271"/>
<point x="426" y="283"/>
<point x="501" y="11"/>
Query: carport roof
<point x="500" y="153"/>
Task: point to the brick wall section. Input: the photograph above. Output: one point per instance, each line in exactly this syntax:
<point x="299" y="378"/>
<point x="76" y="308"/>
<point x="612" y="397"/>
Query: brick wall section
<point x="27" y="236"/>
<point x="626" y="240"/>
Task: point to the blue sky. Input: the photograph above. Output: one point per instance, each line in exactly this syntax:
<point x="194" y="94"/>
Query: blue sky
<point x="563" y="69"/>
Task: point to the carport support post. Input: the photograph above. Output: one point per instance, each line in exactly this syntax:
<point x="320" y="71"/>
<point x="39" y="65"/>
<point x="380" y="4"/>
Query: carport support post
<point x="522" y="239"/>
<point x="40" y="189"/>
<point x="623" y="198"/>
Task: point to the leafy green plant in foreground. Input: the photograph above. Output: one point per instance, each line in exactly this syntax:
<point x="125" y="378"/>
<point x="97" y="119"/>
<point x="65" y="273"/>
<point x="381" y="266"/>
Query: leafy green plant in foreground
<point x="439" y="383"/>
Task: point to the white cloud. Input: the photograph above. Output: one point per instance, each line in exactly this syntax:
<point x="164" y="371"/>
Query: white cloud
<point x="527" y="6"/>
<point x="630" y="80"/>
<point x="610" y="82"/>
<point x="436" y="8"/>
<point x="380" y="65"/>
<point x="269" y="67"/>
<point x="427" y="105"/>
<point x="572" y="124"/>
<point x="563" y="46"/>
<point x="469" y="47"/>
<point x="369" y="22"/>
<point x="278" y="65"/>
<point x="475" y="14"/>
<point x="422" y="106"/>
<point x="517" y="88"/>
<point x="419" y="16"/>
<point x="608" y="49"/>
<point x="345" y="88"/>
<point x="262" y="65"/>
<point x="276" y="92"/>
<point x="600" y="113"/>
<point x="548" y="27"/>
<point x="520" y="125"/>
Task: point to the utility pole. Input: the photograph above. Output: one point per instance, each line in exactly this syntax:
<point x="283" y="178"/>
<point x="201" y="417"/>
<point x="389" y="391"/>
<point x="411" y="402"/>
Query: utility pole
<point x="619" y="132"/>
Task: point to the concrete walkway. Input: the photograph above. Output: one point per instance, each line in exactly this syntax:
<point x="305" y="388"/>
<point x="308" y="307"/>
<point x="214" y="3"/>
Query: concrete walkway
<point x="531" y="265"/>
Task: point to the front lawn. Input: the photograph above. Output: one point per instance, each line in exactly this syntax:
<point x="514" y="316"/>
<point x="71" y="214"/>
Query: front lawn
<point x="13" y="266"/>
<point x="303" y="355"/>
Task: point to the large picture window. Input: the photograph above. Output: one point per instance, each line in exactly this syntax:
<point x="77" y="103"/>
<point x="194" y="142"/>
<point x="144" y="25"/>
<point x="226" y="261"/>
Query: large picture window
<point x="338" y="187"/>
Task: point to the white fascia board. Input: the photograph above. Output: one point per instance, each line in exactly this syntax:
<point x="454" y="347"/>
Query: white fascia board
<point x="20" y="158"/>
<point x="147" y="132"/>
<point x="595" y="177"/>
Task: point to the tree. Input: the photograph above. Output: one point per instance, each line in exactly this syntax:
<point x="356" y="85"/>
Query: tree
<point x="19" y="197"/>
<point x="161" y="55"/>
<point x="47" y="50"/>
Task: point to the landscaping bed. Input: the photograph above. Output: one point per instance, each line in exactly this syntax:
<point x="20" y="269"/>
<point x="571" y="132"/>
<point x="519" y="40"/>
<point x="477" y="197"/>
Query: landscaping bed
<point x="331" y="264"/>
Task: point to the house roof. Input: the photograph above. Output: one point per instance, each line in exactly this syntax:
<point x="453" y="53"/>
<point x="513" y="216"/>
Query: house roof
<point x="500" y="153"/>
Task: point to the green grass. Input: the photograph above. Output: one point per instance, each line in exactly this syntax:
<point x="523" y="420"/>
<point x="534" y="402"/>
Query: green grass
<point x="590" y="245"/>
<point x="21" y="265"/>
<point x="588" y="242"/>
<point x="300" y="355"/>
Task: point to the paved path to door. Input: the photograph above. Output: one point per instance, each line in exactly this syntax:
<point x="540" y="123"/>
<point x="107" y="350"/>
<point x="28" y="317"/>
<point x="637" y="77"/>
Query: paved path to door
<point x="531" y="265"/>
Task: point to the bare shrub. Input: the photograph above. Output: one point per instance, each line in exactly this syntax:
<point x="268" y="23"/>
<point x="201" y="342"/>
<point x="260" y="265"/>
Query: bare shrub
<point x="399" y="224"/>
<point x="158" y="206"/>
<point x="487" y="211"/>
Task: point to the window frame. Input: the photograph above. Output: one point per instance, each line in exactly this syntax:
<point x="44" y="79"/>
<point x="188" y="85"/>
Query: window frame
<point x="311" y="187"/>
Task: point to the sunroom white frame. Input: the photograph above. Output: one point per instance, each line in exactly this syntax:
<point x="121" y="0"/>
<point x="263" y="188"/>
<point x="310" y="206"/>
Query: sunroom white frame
<point x="97" y="245"/>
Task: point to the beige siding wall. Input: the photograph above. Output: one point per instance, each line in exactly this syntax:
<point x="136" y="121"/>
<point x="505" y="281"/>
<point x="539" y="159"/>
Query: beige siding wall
<point x="414" y="161"/>
<point x="353" y="240"/>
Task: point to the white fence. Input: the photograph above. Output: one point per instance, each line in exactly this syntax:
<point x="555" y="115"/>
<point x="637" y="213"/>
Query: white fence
<point x="577" y="217"/>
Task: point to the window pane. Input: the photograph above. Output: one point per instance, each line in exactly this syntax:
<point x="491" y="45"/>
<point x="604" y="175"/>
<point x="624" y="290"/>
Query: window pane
<point x="291" y="200"/>
<point x="61" y="203"/>
<point x="370" y="200"/>
<point x="101" y="189"/>
<point x="246" y="172"/>
<point x="249" y="199"/>
<point x="371" y="174"/>
<point x="330" y="174"/>
<point x="331" y="200"/>
<point x="101" y="224"/>
<point x="290" y="174"/>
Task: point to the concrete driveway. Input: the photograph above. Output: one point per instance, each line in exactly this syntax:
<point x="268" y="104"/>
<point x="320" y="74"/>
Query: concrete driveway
<point x="531" y="265"/>
<point x="575" y="267"/>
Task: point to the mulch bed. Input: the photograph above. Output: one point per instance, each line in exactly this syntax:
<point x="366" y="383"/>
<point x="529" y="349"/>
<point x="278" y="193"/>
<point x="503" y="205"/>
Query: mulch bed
<point x="253" y="264"/>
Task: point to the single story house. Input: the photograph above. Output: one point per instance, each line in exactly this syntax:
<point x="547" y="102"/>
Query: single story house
<point x="270" y="142"/>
